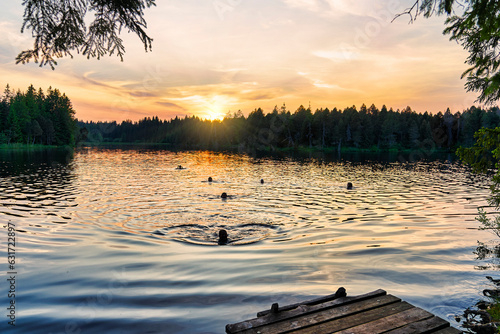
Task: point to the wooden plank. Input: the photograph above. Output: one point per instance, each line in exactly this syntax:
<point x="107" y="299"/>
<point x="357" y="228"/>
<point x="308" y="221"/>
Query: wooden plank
<point x="392" y="321"/>
<point x="430" y="325"/>
<point x="311" y="319"/>
<point x="349" y="322"/>
<point x="449" y="330"/>
<point x="371" y="313"/>
<point x="340" y="293"/>
<point x="298" y="311"/>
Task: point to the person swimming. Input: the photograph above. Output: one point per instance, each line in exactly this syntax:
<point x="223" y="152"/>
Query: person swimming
<point x="262" y="181"/>
<point x="349" y="185"/>
<point x="222" y="237"/>
<point x="210" y="179"/>
<point x="223" y="195"/>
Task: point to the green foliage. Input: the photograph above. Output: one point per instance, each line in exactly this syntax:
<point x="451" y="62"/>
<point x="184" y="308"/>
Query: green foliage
<point x="3" y="138"/>
<point x="494" y="311"/>
<point x="484" y="157"/>
<point x="478" y="31"/>
<point x="475" y="24"/>
<point x="34" y="117"/>
<point x="60" y="28"/>
<point x="485" y="154"/>
<point x="490" y="222"/>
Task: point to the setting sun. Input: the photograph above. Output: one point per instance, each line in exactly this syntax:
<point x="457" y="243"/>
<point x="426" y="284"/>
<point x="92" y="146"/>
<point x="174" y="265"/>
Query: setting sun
<point x="215" y="116"/>
<point x="216" y="107"/>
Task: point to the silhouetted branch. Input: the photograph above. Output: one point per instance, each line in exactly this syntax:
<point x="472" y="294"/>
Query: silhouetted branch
<point x="58" y="28"/>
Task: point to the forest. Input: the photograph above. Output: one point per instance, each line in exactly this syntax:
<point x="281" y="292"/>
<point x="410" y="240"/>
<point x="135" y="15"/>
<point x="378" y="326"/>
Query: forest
<point x="35" y="117"/>
<point x="367" y="128"/>
<point x="48" y="118"/>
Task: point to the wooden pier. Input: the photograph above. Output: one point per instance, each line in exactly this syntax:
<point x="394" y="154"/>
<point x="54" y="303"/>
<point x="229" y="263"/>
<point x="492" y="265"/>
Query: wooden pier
<point x="374" y="312"/>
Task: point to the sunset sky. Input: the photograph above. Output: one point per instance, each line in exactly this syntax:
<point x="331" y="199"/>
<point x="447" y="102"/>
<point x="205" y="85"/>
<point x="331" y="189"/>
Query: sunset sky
<point x="211" y="57"/>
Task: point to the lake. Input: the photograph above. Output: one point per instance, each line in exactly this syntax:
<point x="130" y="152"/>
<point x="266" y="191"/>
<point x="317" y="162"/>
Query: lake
<point x="121" y="241"/>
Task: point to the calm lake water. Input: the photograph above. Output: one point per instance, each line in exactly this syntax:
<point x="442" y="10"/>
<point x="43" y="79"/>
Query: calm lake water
<point x="120" y="241"/>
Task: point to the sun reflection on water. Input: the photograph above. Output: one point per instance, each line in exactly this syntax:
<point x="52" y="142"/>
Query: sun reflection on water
<point x="407" y="228"/>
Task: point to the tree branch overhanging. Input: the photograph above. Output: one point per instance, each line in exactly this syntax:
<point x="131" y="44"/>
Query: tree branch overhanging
<point x="59" y="29"/>
<point x="475" y="24"/>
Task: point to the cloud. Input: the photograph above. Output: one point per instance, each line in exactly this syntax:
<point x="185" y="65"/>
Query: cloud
<point x="12" y="41"/>
<point x="259" y="96"/>
<point x="342" y="54"/>
<point x="143" y="94"/>
<point x="171" y="105"/>
<point x="86" y="78"/>
<point x="229" y="70"/>
<point x="115" y="87"/>
<point x="311" y="5"/>
<point x="367" y="8"/>
<point x="321" y="84"/>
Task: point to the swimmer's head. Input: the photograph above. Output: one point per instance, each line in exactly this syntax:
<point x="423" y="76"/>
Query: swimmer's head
<point x="222" y="237"/>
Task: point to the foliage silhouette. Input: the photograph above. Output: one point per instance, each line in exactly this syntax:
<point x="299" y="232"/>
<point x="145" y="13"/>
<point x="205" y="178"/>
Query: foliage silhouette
<point x="59" y="28"/>
<point x="36" y="117"/>
<point x="366" y="128"/>
<point x="475" y="25"/>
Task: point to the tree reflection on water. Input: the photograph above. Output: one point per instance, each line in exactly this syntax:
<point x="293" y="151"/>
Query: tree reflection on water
<point x="488" y="253"/>
<point x="482" y="318"/>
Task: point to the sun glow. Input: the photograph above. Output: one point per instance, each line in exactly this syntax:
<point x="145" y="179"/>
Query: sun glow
<point x="216" y="108"/>
<point x="214" y="116"/>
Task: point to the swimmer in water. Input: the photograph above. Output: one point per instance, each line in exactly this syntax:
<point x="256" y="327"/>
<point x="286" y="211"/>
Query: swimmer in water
<point x="222" y="237"/>
<point x="224" y="195"/>
<point x="262" y="181"/>
<point x="349" y="185"/>
<point x="210" y="179"/>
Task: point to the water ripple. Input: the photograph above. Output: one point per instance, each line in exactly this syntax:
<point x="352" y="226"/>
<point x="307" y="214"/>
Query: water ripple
<point x="107" y="236"/>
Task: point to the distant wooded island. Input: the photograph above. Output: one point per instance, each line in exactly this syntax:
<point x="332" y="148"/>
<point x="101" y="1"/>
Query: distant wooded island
<point x="48" y="118"/>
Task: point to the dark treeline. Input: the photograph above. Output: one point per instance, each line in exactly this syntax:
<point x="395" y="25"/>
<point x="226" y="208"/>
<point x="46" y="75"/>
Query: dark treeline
<point x="35" y="117"/>
<point x="366" y="128"/>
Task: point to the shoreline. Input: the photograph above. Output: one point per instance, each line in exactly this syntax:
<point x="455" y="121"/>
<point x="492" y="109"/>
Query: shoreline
<point x="18" y="146"/>
<point x="270" y="149"/>
<point x="29" y="148"/>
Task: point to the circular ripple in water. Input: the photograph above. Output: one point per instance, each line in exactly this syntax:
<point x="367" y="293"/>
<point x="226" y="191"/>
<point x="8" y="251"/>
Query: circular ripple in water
<point x="206" y="232"/>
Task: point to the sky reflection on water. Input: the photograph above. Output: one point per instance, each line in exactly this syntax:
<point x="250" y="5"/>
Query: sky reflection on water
<point x="122" y="241"/>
